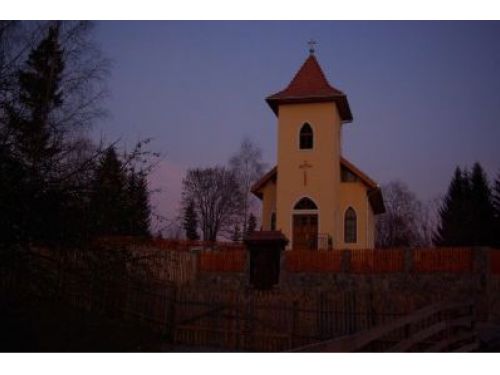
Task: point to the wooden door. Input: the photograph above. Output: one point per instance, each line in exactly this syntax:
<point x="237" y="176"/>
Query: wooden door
<point x="305" y="231"/>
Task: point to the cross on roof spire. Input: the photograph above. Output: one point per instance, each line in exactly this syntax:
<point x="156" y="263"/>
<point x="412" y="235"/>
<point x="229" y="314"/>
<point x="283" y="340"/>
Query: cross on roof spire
<point x="311" y="43"/>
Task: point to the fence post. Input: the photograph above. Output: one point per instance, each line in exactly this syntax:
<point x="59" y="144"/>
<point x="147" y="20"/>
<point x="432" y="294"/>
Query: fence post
<point x="171" y="301"/>
<point x="292" y="322"/>
<point x="482" y="270"/>
<point x="408" y="260"/>
<point x="345" y="263"/>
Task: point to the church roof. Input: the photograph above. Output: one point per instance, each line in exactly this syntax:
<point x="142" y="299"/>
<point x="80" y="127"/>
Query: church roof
<point x="374" y="193"/>
<point x="311" y="86"/>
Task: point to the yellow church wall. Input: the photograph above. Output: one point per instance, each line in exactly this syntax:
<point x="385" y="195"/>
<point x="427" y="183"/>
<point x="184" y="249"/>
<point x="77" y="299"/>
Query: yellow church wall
<point x="323" y="178"/>
<point x="353" y="194"/>
<point x="268" y="204"/>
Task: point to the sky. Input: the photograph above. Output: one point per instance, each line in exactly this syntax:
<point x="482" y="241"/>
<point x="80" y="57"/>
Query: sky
<point x="425" y="96"/>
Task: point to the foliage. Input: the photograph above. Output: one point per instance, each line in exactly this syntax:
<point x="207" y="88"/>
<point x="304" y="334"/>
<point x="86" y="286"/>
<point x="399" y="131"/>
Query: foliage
<point x="191" y="222"/>
<point x="252" y="224"/>
<point x="247" y="167"/>
<point x="496" y="208"/>
<point x="467" y="213"/>
<point x="236" y="235"/>
<point x="216" y="196"/>
<point x="401" y="224"/>
<point x="52" y="81"/>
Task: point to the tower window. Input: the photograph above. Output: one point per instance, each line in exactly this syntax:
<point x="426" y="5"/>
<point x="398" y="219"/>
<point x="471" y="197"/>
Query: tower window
<point x="350" y="224"/>
<point x="306" y="137"/>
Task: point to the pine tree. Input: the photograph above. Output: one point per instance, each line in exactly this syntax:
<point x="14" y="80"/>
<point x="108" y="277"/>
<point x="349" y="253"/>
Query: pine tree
<point x="451" y="230"/>
<point x="496" y="207"/>
<point x="109" y="202"/>
<point x="191" y="222"/>
<point x="236" y="235"/>
<point x="252" y="224"/>
<point x="36" y="140"/>
<point x="481" y="209"/>
<point x="139" y="209"/>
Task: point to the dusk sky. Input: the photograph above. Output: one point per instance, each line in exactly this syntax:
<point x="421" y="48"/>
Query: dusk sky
<point x="425" y="96"/>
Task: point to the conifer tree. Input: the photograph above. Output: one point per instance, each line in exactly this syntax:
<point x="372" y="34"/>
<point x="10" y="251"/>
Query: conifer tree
<point x="481" y="209"/>
<point x="451" y="230"/>
<point x="36" y="139"/>
<point x="496" y="208"/>
<point x="109" y="201"/>
<point x="139" y="209"/>
<point x="191" y="222"/>
<point x="236" y="235"/>
<point x="35" y="142"/>
<point x="252" y="224"/>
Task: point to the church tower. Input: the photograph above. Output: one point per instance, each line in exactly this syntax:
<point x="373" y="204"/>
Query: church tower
<point x="304" y="196"/>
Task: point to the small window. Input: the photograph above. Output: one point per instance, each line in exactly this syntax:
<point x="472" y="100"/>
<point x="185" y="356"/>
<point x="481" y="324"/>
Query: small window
<point x="350" y="223"/>
<point x="306" y="137"/>
<point x="305" y="204"/>
<point x="273" y="221"/>
<point x="348" y="176"/>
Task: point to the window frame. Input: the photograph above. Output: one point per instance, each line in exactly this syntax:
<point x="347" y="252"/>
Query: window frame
<point x="311" y="140"/>
<point x="352" y="225"/>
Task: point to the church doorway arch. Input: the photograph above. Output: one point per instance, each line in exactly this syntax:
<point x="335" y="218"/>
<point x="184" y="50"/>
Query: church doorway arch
<point x="305" y="225"/>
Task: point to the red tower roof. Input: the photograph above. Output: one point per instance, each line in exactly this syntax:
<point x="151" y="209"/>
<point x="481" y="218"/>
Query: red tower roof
<point x="311" y="86"/>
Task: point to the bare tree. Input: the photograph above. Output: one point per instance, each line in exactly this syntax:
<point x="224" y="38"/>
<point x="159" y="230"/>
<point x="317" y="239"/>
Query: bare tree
<point x="217" y="200"/>
<point x="247" y="167"/>
<point x="405" y="222"/>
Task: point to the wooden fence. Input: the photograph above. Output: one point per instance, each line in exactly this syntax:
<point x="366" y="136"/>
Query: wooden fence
<point x="277" y="320"/>
<point x="118" y="285"/>
<point x="495" y="261"/>
<point x="222" y="261"/>
<point x="443" y="260"/>
<point x="167" y="244"/>
<point x="446" y="326"/>
<point x="377" y="261"/>
<point x="360" y="261"/>
<point x="310" y="261"/>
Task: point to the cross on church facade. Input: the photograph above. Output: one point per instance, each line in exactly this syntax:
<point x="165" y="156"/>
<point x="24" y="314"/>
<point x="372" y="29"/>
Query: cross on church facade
<point x="305" y="166"/>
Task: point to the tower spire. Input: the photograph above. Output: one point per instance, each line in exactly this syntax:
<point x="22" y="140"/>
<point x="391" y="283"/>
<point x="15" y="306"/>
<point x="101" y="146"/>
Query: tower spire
<point x="311" y="44"/>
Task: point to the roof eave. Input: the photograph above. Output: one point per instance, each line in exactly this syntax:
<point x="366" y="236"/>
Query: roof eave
<point x="340" y="100"/>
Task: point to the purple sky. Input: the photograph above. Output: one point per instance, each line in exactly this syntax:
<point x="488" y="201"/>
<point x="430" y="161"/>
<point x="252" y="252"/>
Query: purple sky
<point x="425" y="96"/>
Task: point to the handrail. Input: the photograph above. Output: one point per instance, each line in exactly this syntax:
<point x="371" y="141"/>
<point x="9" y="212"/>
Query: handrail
<point x="359" y="340"/>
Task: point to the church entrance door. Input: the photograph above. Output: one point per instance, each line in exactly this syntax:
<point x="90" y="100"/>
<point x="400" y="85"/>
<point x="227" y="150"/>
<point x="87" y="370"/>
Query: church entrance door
<point x="305" y="231"/>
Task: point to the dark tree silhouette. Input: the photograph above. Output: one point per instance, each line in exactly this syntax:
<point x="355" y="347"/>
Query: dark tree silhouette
<point x="47" y="93"/>
<point x="190" y="223"/>
<point x="236" y="235"/>
<point x="452" y="229"/>
<point x="139" y="209"/>
<point x="109" y="201"/>
<point x="252" y="224"/>
<point x="216" y="195"/>
<point x="247" y="167"/>
<point x="496" y="207"/>
<point x="481" y="209"/>
<point x="467" y="214"/>
<point x="403" y="222"/>
<point x="36" y="140"/>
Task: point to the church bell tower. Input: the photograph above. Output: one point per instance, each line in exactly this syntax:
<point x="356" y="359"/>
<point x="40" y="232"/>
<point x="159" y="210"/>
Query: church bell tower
<point x="310" y="115"/>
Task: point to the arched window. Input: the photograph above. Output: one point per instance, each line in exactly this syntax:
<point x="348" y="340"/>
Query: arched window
<point x="305" y="204"/>
<point x="350" y="226"/>
<point x="306" y="137"/>
<point x="273" y="221"/>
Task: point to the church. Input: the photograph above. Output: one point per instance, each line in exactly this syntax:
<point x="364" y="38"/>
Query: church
<point x="315" y="196"/>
